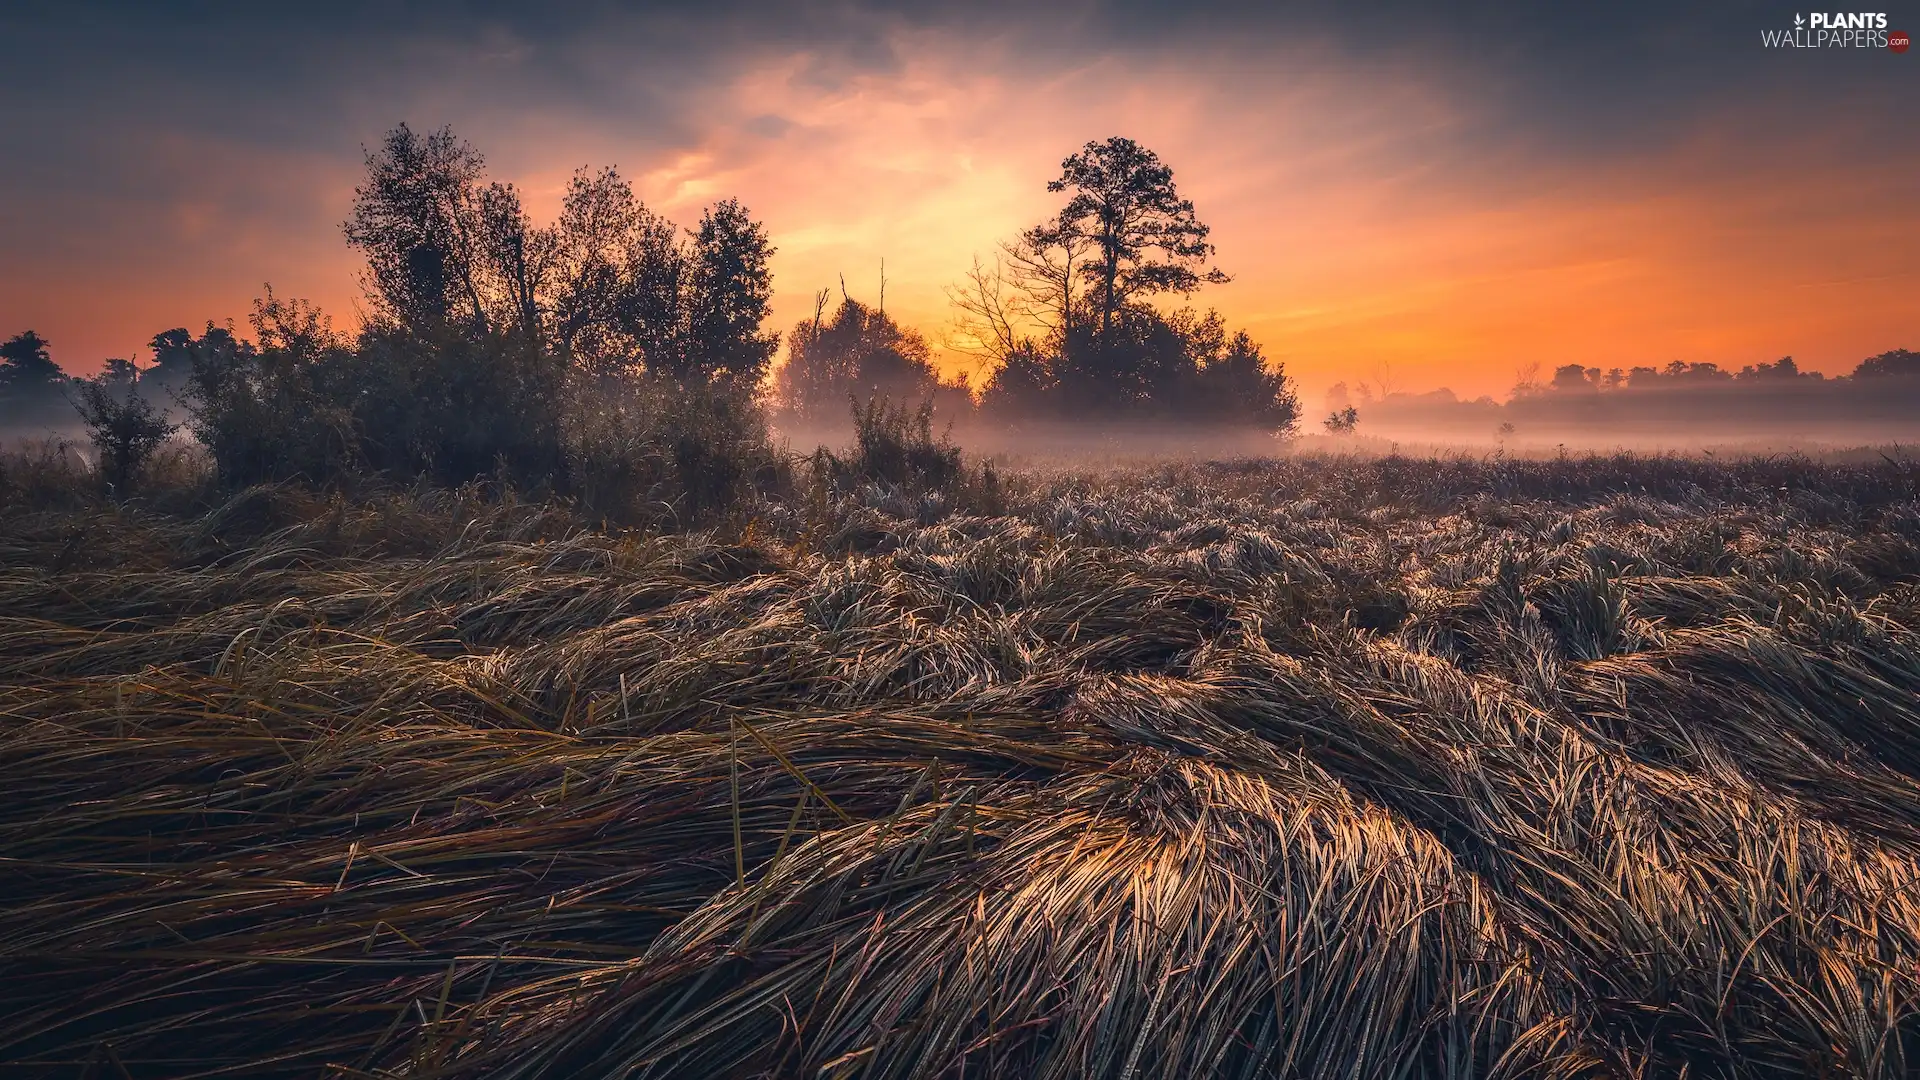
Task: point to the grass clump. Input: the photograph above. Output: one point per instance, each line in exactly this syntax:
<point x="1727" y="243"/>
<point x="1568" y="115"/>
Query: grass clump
<point x="894" y="444"/>
<point x="654" y="452"/>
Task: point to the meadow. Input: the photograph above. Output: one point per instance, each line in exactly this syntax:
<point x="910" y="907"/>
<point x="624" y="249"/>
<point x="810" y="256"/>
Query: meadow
<point x="1585" y="766"/>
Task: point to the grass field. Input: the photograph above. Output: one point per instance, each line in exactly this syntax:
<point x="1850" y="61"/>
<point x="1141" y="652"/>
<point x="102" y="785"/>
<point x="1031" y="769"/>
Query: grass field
<point x="1315" y="768"/>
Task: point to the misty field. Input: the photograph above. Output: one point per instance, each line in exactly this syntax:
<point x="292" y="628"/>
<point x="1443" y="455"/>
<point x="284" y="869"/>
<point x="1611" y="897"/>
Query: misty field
<point x="1314" y="768"/>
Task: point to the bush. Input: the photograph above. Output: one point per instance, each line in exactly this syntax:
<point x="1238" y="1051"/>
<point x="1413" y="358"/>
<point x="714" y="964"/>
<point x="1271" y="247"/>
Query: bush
<point x="124" y="427"/>
<point x="266" y="413"/>
<point x="895" y="445"/>
<point x="643" y="449"/>
<point x="455" y="406"/>
<point x="38" y="474"/>
<point x="305" y="404"/>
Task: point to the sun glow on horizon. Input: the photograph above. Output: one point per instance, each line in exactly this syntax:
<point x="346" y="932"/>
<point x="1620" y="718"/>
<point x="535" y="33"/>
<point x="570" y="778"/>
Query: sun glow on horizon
<point x="1366" y="216"/>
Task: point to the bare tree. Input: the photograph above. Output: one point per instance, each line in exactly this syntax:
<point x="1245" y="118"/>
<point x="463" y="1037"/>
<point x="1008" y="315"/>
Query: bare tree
<point x="1383" y="378"/>
<point x="1526" y="379"/>
<point x="987" y="312"/>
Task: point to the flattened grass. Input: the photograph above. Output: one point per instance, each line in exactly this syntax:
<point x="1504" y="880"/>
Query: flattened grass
<point x="1597" y="767"/>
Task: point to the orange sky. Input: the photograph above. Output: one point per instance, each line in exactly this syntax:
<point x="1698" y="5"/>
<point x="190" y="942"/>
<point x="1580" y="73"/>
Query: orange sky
<point x="1371" y="224"/>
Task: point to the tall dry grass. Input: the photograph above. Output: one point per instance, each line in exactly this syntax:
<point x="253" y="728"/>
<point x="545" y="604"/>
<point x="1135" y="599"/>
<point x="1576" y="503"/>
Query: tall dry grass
<point x="1388" y="768"/>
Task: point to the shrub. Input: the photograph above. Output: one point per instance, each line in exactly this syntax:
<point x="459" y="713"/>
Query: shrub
<point x="455" y="406"/>
<point x="1343" y="421"/>
<point x="43" y="473"/>
<point x="265" y="413"/>
<point x="124" y="427"/>
<point x="643" y="449"/>
<point x="895" y="445"/>
<point x="306" y="404"/>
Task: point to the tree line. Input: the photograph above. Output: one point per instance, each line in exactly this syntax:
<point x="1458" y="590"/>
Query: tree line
<point x="496" y="346"/>
<point x="1878" y="400"/>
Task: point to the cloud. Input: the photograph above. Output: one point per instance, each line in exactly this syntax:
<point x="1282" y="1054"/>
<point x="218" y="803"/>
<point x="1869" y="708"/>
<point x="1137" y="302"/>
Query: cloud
<point x="1456" y="191"/>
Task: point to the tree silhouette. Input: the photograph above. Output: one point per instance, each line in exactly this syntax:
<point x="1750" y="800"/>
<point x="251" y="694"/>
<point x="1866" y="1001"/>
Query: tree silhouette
<point x="1023" y="387"/>
<point x="443" y="251"/>
<point x="417" y="220"/>
<point x="1146" y="239"/>
<point x="1574" y="378"/>
<point x="622" y="280"/>
<point x="26" y="365"/>
<point x="859" y="352"/>
<point x="31" y="384"/>
<point x="123" y="425"/>
<point x="1064" y="317"/>
<point x="616" y="279"/>
<point x="1235" y="383"/>
<point x="1893" y="362"/>
<point x="732" y="287"/>
<point x="610" y="285"/>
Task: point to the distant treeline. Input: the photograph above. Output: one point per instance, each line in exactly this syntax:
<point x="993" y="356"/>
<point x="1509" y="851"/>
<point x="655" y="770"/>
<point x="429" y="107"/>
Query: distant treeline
<point x="1682" y="402"/>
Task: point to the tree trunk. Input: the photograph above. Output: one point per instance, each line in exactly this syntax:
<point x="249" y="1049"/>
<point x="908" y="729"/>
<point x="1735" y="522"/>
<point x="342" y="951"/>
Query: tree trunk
<point x="529" y="311"/>
<point x="1106" y="298"/>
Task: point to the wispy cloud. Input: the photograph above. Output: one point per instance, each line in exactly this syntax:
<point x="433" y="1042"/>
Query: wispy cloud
<point x="1457" y="196"/>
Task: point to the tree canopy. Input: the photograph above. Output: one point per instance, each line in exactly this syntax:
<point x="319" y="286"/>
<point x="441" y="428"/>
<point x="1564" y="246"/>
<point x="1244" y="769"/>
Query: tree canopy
<point x="610" y="284"/>
<point x="1143" y="237"/>
<point x="859" y="352"/>
<point x="1065" y="314"/>
<point x="26" y="364"/>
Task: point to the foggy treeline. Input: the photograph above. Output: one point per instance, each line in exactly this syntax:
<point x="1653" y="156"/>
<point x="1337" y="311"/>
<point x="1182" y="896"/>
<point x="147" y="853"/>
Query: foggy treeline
<point x="614" y="350"/>
<point x="1676" y="405"/>
<point x="614" y="347"/>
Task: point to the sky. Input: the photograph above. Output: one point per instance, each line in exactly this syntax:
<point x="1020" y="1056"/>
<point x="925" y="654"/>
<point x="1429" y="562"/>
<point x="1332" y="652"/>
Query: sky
<point x="1402" y="196"/>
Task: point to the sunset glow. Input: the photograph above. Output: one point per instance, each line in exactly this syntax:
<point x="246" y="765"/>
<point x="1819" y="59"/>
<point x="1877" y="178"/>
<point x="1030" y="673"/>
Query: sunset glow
<point x="1404" y="210"/>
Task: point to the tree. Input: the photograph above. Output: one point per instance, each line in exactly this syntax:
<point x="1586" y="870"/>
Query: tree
<point x="991" y="313"/>
<point x="1063" y="314"/>
<point x="456" y="264"/>
<point x="616" y="274"/>
<point x="1893" y="362"/>
<point x="1237" y="385"/>
<point x="1343" y="421"/>
<point x="731" y="286"/>
<point x="31" y="384"/>
<point x="1023" y="387"/>
<point x="415" y="221"/>
<point x="1383" y="379"/>
<point x="443" y="251"/>
<point x="627" y="287"/>
<point x="1141" y="363"/>
<point x="1573" y="378"/>
<point x="860" y="352"/>
<point x="1679" y="371"/>
<point x="27" y="367"/>
<point x="1526" y="379"/>
<point x="1124" y="204"/>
